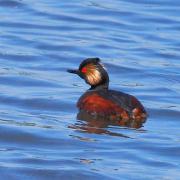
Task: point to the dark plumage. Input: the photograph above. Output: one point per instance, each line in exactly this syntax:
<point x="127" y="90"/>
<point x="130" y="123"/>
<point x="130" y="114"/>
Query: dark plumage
<point x="100" y="102"/>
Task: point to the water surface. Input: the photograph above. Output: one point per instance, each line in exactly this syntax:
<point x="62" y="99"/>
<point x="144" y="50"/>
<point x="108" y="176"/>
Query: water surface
<point x="40" y="137"/>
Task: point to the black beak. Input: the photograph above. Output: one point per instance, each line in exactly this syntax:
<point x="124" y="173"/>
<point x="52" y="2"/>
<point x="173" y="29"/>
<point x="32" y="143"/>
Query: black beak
<point x="74" y="71"/>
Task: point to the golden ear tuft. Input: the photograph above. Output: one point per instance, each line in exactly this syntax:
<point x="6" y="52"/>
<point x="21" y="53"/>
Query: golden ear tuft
<point x="93" y="75"/>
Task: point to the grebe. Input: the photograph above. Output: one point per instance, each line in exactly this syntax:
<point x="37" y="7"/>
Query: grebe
<point x="99" y="101"/>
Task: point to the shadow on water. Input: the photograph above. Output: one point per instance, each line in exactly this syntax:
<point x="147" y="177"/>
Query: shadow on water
<point x="93" y="128"/>
<point x="98" y="125"/>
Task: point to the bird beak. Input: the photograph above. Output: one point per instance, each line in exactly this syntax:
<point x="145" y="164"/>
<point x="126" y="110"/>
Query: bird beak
<point x="74" y="71"/>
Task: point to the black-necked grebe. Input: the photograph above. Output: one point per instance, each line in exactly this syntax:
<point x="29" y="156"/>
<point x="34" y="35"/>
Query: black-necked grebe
<point x="99" y="101"/>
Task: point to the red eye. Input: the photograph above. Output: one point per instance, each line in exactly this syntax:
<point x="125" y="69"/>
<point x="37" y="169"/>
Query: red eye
<point x="84" y="70"/>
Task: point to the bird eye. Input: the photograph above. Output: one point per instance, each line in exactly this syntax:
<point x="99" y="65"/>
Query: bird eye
<point x="84" y="70"/>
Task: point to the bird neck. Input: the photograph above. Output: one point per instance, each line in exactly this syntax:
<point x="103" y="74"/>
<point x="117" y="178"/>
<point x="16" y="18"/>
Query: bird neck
<point x="100" y="86"/>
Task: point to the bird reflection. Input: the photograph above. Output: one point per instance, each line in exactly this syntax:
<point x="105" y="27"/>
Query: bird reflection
<point x="98" y="125"/>
<point x="103" y="121"/>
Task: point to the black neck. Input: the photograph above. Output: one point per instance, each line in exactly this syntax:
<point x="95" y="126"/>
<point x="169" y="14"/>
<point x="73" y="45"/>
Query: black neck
<point x="100" y="86"/>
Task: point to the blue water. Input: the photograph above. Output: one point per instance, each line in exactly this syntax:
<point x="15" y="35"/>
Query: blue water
<point x="139" y="43"/>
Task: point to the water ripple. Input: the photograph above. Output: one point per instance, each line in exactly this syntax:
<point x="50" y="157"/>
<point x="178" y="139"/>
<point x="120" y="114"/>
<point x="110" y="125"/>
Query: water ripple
<point x="138" y="42"/>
